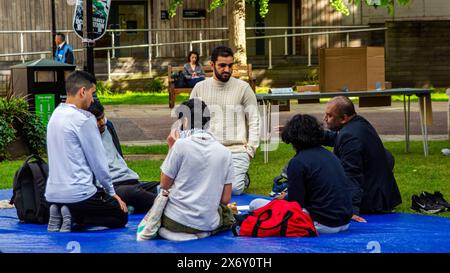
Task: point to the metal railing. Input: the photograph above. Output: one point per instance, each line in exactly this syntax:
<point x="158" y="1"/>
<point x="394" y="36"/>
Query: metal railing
<point x="111" y="50"/>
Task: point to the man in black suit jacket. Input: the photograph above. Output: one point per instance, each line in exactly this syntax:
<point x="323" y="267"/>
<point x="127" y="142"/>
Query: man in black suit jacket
<point x="366" y="162"/>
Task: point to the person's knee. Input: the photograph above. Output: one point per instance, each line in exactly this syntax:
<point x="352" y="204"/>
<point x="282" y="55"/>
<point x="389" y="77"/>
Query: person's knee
<point x="238" y="188"/>
<point x="122" y="220"/>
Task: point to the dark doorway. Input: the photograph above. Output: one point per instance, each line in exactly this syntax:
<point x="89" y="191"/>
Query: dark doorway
<point x="126" y="15"/>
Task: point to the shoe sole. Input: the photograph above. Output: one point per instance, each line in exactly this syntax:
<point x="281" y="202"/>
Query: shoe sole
<point x="431" y="211"/>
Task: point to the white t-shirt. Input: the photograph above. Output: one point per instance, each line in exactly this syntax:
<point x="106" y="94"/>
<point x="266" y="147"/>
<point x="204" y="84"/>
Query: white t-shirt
<point x="200" y="167"/>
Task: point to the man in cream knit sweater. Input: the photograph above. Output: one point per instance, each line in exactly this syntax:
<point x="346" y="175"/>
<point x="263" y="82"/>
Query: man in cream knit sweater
<point x="234" y="113"/>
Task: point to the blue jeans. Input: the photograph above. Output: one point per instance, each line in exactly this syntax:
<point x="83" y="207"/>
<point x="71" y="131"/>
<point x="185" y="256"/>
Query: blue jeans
<point x="192" y="82"/>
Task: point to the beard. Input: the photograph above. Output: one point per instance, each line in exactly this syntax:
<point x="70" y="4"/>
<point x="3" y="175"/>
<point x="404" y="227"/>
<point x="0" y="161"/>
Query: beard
<point x="224" y="77"/>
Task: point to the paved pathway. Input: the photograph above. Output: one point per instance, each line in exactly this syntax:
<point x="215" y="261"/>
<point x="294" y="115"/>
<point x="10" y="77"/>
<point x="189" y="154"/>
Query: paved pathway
<point x="150" y="124"/>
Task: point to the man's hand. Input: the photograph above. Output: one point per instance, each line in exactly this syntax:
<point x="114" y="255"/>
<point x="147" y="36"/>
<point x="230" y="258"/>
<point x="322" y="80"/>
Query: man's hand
<point x="358" y="219"/>
<point x="122" y="204"/>
<point x="173" y="136"/>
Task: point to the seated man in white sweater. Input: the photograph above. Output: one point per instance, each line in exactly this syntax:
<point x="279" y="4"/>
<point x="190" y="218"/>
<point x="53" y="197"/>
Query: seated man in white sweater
<point x="75" y="155"/>
<point x="198" y="170"/>
<point x="234" y="113"/>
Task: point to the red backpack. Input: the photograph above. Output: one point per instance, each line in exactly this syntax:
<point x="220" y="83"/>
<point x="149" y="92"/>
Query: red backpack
<point x="279" y="218"/>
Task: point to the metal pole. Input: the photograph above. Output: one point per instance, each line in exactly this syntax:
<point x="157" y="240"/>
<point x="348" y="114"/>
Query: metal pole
<point x="113" y="42"/>
<point x="309" y="50"/>
<point x="54" y="28"/>
<point x="157" y="42"/>
<point x="293" y="44"/>
<point x="21" y="47"/>
<point x="270" y="54"/>
<point x="87" y="34"/>
<point x="109" y="65"/>
<point x="190" y="46"/>
<point x="406" y="124"/>
<point x="347" y="38"/>
<point x="150" y="54"/>
<point x="201" y="44"/>
<point x="67" y="37"/>
<point x="328" y="40"/>
<point x="285" y="43"/>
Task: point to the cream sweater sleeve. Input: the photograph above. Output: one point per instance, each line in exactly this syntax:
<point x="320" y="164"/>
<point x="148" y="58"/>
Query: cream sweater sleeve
<point x="252" y="115"/>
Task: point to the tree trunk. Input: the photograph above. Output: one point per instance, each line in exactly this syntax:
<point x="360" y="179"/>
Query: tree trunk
<point x="236" y="24"/>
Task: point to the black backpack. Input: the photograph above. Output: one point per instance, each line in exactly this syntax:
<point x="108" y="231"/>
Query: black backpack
<point x="29" y="189"/>
<point x="179" y="79"/>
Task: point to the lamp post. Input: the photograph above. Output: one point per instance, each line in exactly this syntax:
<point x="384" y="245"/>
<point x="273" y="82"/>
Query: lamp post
<point x="88" y="44"/>
<point x="53" y="27"/>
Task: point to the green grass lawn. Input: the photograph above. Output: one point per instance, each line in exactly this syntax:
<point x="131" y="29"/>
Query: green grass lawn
<point x="139" y="98"/>
<point x="134" y="98"/>
<point x="414" y="172"/>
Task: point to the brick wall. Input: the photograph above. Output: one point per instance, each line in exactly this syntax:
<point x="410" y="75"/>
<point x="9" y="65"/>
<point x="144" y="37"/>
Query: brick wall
<point x="418" y="53"/>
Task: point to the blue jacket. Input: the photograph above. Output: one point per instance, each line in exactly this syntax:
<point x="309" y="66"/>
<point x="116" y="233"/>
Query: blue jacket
<point x="318" y="183"/>
<point x="367" y="165"/>
<point x="65" y="54"/>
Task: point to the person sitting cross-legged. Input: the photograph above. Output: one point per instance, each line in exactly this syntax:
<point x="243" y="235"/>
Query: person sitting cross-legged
<point x="316" y="179"/>
<point x="198" y="172"/>
<point x="126" y="183"/>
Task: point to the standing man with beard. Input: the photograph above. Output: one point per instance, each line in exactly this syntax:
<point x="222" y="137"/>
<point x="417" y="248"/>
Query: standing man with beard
<point x="234" y="113"/>
<point x="367" y="164"/>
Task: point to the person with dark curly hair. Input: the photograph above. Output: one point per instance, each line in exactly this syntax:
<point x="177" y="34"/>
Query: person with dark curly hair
<point x="316" y="179"/>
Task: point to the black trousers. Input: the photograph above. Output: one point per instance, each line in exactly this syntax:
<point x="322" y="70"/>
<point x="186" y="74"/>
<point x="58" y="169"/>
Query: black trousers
<point x="98" y="210"/>
<point x="140" y="195"/>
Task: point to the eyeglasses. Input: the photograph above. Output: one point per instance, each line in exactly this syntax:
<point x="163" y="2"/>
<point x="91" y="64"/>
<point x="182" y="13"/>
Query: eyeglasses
<point x="222" y="65"/>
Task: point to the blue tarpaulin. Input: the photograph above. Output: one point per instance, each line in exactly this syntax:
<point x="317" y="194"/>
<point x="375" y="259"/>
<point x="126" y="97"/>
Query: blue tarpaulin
<point x="389" y="233"/>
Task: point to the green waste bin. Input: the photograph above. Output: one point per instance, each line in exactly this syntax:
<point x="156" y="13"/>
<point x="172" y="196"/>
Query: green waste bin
<point x="43" y="83"/>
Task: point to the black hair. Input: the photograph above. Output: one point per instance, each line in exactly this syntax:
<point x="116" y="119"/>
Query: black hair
<point x="189" y="57"/>
<point x="60" y="34"/>
<point x="344" y="106"/>
<point x="197" y="113"/>
<point x="78" y="79"/>
<point x="221" y="51"/>
<point x="302" y="131"/>
<point x="96" y="108"/>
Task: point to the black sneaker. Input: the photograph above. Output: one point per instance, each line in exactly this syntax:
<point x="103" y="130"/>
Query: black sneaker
<point x="425" y="205"/>
<point x="436" y="198"/>
<point x="439" y="198"/>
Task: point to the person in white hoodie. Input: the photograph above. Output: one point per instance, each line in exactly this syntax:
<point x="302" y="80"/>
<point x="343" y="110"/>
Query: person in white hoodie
<point x="198" y="172"/>
<point x="76" y="157"/>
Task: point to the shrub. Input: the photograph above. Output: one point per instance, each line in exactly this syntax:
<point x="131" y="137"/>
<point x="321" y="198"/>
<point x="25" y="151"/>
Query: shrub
<point x="16" y="120"/>
<point x="35" y="134"/>
<point x="6" y="137"/>
<point x="103" y="89"/>
<point x="311" y="77"/>
<point x="156" y="85"/>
